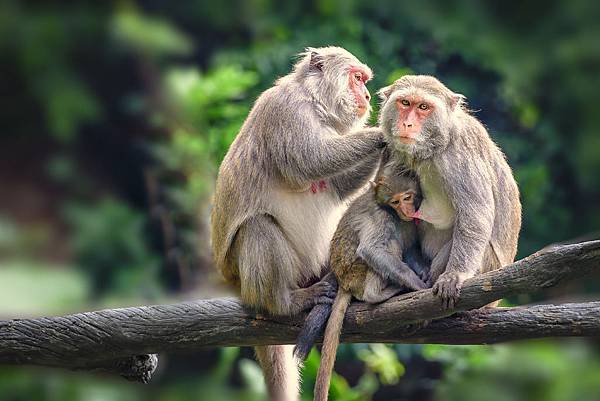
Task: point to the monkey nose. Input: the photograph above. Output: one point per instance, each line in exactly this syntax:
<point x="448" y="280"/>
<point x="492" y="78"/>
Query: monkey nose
<point x="367" y="96"/>
<point x="407" y="125"/>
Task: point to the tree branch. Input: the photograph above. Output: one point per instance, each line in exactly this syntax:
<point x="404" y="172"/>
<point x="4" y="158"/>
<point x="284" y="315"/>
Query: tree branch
<point x="118" y="340"/>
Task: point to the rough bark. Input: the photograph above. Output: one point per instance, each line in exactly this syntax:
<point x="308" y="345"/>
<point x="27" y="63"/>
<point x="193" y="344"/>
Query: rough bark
<point x="123" y="341"/>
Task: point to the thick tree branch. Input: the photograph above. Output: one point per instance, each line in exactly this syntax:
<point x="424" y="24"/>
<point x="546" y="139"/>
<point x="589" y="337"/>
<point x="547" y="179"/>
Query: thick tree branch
<point x="119" y="340"/>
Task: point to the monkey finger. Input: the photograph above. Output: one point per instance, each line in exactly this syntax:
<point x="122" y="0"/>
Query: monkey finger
<point x="325" y="288"/>
<point x="331" y="279"/>
<point x="442" y="295"/>
<point x="419" y="285"/>
<point x="445" y="296"/>
<point x="330" y="291"/>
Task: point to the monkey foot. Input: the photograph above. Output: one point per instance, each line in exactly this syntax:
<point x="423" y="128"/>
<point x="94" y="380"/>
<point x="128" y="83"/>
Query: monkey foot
<point x="447" y="287"/>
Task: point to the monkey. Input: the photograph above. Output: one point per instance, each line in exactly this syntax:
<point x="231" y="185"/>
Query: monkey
<point x="300" y="155"/>
<point x="316" y="320"/>
<point x="471" y="205"/>
<point x="366" y="256"/>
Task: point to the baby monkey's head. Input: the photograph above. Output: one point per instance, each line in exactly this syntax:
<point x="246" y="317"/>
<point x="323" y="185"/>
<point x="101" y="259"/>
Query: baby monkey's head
<point x="399" y="191"/>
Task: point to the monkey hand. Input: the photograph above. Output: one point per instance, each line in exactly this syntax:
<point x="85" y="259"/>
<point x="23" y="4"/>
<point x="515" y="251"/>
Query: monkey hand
<point x="412" y="281"/>
<point x="438" y="266"/>
<point x="447" y="287"/>
<point x="425" y="276"/>
<point x="326" y="292"/>
<point x="433" y="275"/>
<point x="377" y="133"/>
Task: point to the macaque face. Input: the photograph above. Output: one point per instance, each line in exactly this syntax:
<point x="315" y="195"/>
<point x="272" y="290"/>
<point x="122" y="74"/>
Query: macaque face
<point x="418" y="114"/>
<point x="404" y="204"/>
<point x="357" y="79"/>
<point x="413" y="111"/>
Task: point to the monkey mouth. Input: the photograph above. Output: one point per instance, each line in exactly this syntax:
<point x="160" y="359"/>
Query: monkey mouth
<point x="407" y="141"/>
<point x="362" y="108"/>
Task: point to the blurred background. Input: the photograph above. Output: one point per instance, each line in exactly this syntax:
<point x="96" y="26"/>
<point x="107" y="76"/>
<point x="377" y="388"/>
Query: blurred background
<point x="115" y="116"/>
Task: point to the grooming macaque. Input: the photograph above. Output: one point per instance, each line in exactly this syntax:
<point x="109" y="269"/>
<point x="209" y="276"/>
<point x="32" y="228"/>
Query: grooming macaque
<point x="471" y="201"/>
<point x="366" y="255"/>
<point x="281" y="189"/>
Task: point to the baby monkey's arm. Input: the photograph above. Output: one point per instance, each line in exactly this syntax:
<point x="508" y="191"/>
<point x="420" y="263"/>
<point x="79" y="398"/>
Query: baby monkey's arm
<point x="381" y="252"/>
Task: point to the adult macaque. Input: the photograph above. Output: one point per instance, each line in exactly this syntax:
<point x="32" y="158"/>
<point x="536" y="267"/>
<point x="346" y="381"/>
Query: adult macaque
<point x="367" y="252"/>
<point x="281" y="189"/>
<point x="471" y="199"/>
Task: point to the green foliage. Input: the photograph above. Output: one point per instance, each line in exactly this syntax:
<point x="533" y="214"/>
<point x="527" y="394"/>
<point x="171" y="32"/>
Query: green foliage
<point x="340" y="389"/>
<point x="152" y="37"/>
<point x="179" y="77"/>
<point x="49" y="288"/>
<point x="16" y="384"/>
<point x="532" y="371"/>
<point x="109" y="245"/>
<point x="382" y="360"/>
<point x="44" y="54"/>
<point x="17" y="242"/>
<point x="207" y="118"/>
<point x="204" y="113"/>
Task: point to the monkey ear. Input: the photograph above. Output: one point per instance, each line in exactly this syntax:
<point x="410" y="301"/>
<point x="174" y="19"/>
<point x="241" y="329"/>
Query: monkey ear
<point x="457" y="100"/>
<point x="316" y="60"/>
<point x="385" y="92"/>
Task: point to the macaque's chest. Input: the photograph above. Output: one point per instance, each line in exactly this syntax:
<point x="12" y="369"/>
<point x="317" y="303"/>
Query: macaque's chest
<point x="309" y="219"/>
<point x="436" y="207"/>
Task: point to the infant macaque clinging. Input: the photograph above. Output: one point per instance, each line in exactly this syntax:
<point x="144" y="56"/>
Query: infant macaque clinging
<point x="367" y="255"/>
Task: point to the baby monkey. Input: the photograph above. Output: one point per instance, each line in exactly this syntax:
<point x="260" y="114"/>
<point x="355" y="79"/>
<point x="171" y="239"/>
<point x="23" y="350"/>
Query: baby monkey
<point x="368" y="253"/>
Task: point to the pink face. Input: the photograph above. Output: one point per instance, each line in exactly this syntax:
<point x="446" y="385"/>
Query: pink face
<point x="358" y="78"/>
<point x="413" y="110"/>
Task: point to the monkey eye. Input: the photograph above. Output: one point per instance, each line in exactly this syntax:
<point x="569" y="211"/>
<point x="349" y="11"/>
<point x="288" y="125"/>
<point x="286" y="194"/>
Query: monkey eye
<point x="424" y="106"/>
<point x="358" y="76"/>
<point x="395" y="202"/>
<point x="407" y="197"/>
<point x="405" y="102"/>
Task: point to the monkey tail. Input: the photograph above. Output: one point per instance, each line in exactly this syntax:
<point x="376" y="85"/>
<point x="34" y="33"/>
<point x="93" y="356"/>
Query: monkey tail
<point x="314" y="326"/>
<point x="281" y="371"/>
<point x="330" y="344"/>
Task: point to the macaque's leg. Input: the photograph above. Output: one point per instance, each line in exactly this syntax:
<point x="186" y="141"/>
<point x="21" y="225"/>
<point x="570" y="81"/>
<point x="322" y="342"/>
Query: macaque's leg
<point x="377" y="290"/>
<point x="266" y="262"/>
<point x="281" y="371"/>
<point x="389" y="267"/>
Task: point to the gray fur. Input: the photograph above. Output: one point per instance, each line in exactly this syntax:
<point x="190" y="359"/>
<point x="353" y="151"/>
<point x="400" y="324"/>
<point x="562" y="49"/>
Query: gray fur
<point x="468" y="188"/>
<point x="270" y="233"/>
<point x="367" y="252"/>
<point x="382" y="237"/>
